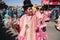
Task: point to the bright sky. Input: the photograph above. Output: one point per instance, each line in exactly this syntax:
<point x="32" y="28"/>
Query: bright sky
<point x="20" y="2"/>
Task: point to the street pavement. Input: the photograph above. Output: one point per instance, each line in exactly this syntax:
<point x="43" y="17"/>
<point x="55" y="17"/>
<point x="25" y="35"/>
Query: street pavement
<point x="51" y="31"/>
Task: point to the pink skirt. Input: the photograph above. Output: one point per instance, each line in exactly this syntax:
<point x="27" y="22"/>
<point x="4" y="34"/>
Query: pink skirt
<point x="41" y="35"/>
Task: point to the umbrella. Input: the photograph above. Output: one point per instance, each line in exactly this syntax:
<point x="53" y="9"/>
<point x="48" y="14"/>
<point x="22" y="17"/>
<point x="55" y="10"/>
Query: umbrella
<point x="55" y="9"/>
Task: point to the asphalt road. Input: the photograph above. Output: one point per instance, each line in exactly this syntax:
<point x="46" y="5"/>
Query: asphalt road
<point x="51" y="31"/>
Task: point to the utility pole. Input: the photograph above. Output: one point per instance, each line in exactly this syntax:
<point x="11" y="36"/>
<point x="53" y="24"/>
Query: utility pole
<point x="48" y="3"/>
<point x="41" y="2"/>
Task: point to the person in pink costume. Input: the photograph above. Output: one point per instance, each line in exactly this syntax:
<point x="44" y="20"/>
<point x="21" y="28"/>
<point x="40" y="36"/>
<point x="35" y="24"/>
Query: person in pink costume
<point x="28" y="23"/>
<point x="41" y="23"/>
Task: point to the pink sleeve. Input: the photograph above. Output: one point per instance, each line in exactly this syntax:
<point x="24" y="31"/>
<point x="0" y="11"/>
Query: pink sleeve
<point x="21" y="21"/>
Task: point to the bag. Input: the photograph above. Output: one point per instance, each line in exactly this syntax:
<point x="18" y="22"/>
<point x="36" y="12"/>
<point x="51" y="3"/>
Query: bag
<point x="17" y="28"/>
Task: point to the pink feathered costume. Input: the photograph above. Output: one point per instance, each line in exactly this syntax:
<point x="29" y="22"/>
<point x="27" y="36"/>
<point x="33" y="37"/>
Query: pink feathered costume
<point x="28" y="26"/>
<point x="41" y="23"/>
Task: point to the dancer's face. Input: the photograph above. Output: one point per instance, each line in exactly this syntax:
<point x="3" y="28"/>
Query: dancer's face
<point x="29" y="11"/>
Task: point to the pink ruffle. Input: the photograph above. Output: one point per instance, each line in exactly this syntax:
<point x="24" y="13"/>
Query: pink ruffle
<point x="20" y="38"/>
<point x="41" y="35"/>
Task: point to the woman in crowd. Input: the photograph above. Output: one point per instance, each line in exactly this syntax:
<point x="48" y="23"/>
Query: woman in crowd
<point x="41" y="35"/>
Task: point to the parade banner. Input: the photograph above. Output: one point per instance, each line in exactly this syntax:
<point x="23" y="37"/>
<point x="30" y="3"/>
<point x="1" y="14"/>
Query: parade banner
<point x="45" y="2"/>
<point x="49" y="2"/>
